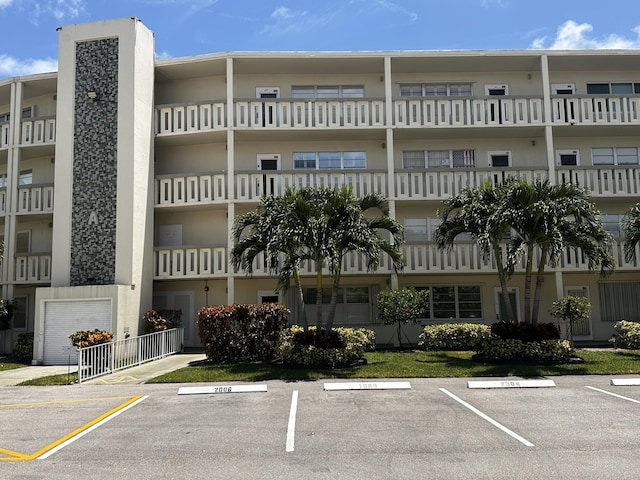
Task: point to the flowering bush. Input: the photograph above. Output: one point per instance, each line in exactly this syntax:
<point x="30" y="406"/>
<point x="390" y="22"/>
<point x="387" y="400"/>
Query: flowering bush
<point x="405" y="305"/>
<point x="158" y="320"/>
<point x="453" y="336"/>
<point x="341" y="347"/>
<point x="241" y="333"/>
<point x="627" y="335"/>
<point x="511" y="349"/>
<point x="88" y="338"/>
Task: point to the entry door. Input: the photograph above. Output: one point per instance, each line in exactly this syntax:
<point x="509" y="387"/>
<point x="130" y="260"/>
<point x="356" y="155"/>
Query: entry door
<point x="501" y="306"/>
<point x="269" y="109"/>
<point x="581" y="328"/>
<point x="495" y="110"/>
<point x="180" y="301"/>
<point x="269" y="162"/>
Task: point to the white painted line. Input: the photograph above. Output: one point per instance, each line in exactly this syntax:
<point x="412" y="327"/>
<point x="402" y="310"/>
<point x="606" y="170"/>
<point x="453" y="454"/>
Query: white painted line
<point x="291" y="429"/>
<point x="614" y="395"/>
<point x="621" y="382"/>
<point x="511" y="384"/>
<point x="368" y="386"/>
<point x="222" y="389"/>
<point x="48" y="453"/>
<point x="489" y="419"/>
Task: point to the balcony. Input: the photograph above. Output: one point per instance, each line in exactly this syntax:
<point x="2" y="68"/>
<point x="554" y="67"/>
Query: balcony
<point x="4" y="135"/>
<point x="38" y="131"/>
<point x="34" y="198"/>
<point x="32" y="268"/>
<point x="467" y="112"/>
<point x="190" y="189"/>
<point x="596" y="110"/>
<point x="603" y="181"/>
<point x="275" y="113"/>
<point x="190" y="262"/>
<point x="191" y="118"/>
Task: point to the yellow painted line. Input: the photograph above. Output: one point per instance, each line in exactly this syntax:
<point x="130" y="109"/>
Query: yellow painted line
<point x="114" y="380"/>
<point x="55" y="402"/>
<point x="68" y="438"/>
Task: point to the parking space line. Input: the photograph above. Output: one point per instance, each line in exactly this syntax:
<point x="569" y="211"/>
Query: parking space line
<point x="488" y="418"/>
<point x="291" y="429"/>
<point x="614" y="394"/>
<point x="86" y="428"/>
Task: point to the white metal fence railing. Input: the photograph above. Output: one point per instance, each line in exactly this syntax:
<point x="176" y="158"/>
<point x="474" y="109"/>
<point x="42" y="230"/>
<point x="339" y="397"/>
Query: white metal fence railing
<point x="110" y="357"/>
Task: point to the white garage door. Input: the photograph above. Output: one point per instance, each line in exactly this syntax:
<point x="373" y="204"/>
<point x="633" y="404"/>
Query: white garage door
<point x="64" y="317"/>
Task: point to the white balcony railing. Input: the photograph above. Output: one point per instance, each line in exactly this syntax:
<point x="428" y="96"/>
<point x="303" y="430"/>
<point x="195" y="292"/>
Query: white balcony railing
<point x="38" y="131"/>
<point x="4" y="135"/>
<point x="191" y="118"/>
<point x="595" y="110"/>
<point x="197" y="188"/>
<point x="33" y="267"/>
<point x="35" y="198"/>
<point x="193" y="262"/>
<point x="276" y="113"/>
<point x="603" y="181"/>
<point x="251" y="186"/>
<point x="465" y="112"/>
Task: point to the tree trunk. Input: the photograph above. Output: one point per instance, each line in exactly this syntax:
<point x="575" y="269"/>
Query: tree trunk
<point x="503" y="285"/>
<point x="302" y="314"/>
<point x="319" y="297"/>
<point x="527" y="285"/>
<point x="334" y="302"/>
<point x="538" y="292"/>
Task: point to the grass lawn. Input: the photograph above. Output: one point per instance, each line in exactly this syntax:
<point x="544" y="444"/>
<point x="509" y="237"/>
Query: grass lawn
<point x="411" y="365"/>
<point x="10" y="363"/>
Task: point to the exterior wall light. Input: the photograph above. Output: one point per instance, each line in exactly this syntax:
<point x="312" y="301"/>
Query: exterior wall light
<point x="92" y="95"/>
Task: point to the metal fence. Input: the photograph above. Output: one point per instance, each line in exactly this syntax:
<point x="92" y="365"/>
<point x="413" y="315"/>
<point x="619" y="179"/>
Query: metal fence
<point x="110" y="357"/>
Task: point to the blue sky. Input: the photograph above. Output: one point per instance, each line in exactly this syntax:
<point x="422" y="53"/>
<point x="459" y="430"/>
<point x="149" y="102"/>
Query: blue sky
<point x="193" y="27"/>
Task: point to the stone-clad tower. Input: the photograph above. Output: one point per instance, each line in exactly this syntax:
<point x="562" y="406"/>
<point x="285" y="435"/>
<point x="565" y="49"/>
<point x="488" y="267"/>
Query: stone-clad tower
<point x="103" y="213"/>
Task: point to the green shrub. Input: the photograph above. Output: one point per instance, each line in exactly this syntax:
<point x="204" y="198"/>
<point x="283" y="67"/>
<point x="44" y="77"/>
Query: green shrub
<point x="511" y="349"/>
<point x="241" y="333"/>
<point x="341" y="347"/>
<point x="158" y="320"/>
<point x="89" y="338"/>
<point x="525" y="332"/>
<point x="453" y="336"/>
<point x="627" y="335"/>
<point x="6" y="313"/>
<point x="23" y="347"/>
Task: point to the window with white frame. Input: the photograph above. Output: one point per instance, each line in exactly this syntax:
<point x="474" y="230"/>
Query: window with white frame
<point x="329" y="160"/>
<point x="327" y="91"/>
<point x="26" y="177"/>
<point x="605" y="88"/>
<point x="500" y="159"/>
<point x="436" y="90"/>
<point x="454" y="302"/>
<point x="3" y="180"/>
<point x="614" y="155"/>
<point x="4" y="117"/>
<point x="613" y="224"/>
<point x="420" y="230"/>
<point x="438" y="158"/>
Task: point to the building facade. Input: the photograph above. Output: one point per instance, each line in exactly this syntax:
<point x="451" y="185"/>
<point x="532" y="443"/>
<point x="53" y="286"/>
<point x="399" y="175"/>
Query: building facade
<point x="120" y="175"/>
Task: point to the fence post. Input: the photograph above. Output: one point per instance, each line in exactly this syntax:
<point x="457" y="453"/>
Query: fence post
<point x="79" y="365"/>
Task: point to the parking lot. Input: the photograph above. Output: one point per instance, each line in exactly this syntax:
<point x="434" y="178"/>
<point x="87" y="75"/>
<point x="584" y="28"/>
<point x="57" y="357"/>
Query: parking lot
<point x="584" y="428"/>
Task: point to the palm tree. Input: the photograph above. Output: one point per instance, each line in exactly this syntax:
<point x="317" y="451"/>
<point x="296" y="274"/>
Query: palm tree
<point x="473" y="211"/>
<point x="547" y="219"/>
<point x="315" y="224"/>
<point x="631" y="227"/>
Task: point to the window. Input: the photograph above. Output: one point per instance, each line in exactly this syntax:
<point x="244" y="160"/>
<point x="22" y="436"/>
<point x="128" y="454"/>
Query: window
<point x="329" y="160"/>
<point x="605" y="88"/>
<point x="614" y="156"/>
<point x="613" y="225"/>
<point x="322" y="91"/>
<point x="567" y="157"/>
<point x="563" y="88"/>
<point x="420" y="230"/>
<point x="454" y="302"/>
<point x="619" y="300"/>
<point x="27" y="112"/>
<point x="438" y="158"/>
<point x="26" y="177"/>
<point x="500" y="159"/>
<point x="4" y="117"/>
<point x="20" y="313"/>
<point x="437" y="90"/>
<point x="3" y="180"/>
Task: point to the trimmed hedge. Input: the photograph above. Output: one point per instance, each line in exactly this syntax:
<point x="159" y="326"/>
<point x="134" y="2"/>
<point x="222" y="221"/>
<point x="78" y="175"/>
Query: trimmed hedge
<point x="23" y="347"/>
<point x="453" y="336"/>
<point x="241" y="333"/>
<point x="525" y="332"/>
<point x="627" y="335"/>
<point x="502" y="350"/>
<point x="341" y="347"/>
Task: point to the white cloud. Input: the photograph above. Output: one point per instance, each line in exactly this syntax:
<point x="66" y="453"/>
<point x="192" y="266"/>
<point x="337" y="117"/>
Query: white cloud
<point x="5" y="3"/>
<point x="574" y="36"/>
<point x="11" y="67"/>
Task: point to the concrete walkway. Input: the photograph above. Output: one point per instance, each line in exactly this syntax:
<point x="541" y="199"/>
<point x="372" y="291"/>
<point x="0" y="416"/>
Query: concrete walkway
<point x="139" y="374"/>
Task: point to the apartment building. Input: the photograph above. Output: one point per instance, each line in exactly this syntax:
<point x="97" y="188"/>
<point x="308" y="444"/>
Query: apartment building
<point x="120" y="175"/>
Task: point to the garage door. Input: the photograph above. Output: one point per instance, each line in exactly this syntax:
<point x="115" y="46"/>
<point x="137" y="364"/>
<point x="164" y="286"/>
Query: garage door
<point x="64" y="317"/>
